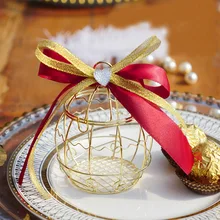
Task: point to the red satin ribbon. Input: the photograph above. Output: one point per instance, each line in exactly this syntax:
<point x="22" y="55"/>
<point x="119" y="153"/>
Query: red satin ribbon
<point x="147" y="114"/>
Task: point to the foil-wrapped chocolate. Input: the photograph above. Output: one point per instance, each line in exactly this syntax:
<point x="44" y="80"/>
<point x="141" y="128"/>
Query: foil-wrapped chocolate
<point x="206" y="168"/>
<point x="195" y="135"/>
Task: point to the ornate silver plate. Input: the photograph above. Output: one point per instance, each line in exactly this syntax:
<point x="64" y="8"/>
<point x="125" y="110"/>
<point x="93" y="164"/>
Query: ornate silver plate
<point x="149" y="199"/>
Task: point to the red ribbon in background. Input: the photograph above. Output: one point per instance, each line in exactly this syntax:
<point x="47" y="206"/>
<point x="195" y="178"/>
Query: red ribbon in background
<point x="148" y="115"/>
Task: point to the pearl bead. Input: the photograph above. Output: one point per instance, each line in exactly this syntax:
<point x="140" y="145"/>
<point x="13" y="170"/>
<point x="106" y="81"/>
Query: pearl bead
<point x="170" y="66"/>
<point x="191" y="108"/>
<point x="173" y="103"/>
<point x="215" y="112"/>
<point x="185" y="67"/>
<point x="191" y="78"/>
<point x="149" y="59"/>
<point x="168" y="59"/>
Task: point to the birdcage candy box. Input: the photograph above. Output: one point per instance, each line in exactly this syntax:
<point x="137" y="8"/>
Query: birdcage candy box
<point x="101" y="163"/>
<point x="113" y="99"/>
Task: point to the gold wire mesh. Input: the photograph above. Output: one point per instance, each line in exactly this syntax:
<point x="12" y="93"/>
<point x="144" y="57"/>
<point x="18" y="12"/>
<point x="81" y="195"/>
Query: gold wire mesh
<point x="103" y="158"/>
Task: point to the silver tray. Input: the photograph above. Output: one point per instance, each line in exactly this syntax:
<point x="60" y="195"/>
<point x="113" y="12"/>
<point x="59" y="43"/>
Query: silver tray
<point x="20" y="130"/>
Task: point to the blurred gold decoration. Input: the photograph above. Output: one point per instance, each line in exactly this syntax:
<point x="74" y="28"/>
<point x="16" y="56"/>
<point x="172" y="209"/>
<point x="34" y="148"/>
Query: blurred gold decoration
<point x="8" y="31"/>
<point x="10" y="23"/>
<point x="79" y="3"/>
<point x="27" y="217"/>
<point x="95" y="163"/>
<point x="3" y="156"/>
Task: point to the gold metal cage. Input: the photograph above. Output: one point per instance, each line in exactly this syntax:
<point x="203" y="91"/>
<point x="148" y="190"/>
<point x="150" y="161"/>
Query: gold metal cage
<point x="110" y="151"/>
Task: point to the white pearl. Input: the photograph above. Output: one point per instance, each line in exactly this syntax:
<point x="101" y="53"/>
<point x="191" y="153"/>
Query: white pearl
<point x="170" y="66"/>
<point x="191" y="78"/>
<point x="185" y="67"/>
<point x="168" y="59"/>
<point x="173" y="103"/>
<point x="215" y="112"/>
<point x="149" y="59"/>
<point x="191" y="108"/>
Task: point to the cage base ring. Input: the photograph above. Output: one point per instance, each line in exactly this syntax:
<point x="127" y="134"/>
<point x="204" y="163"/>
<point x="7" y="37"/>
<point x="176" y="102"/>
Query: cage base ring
<point x="104" y="175"/>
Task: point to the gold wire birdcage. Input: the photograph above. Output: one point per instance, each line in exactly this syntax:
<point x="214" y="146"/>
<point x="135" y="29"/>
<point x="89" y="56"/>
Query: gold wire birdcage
<point x="110" y="151"/>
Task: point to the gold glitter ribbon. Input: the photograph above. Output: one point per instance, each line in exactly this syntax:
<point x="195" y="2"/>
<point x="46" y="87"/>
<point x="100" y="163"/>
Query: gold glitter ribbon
<point x="77" y="67"/>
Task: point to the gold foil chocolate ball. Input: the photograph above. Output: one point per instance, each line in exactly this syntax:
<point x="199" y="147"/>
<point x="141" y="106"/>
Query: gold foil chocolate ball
<point x="195" y="135"/>
<point x="206" y="168"/>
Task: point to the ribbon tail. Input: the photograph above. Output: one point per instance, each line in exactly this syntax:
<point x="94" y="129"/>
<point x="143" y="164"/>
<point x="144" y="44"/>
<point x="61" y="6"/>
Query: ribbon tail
<point x="42" y="124"/>
<point x="49" y="116"/>
<point x="158" y="125"/>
